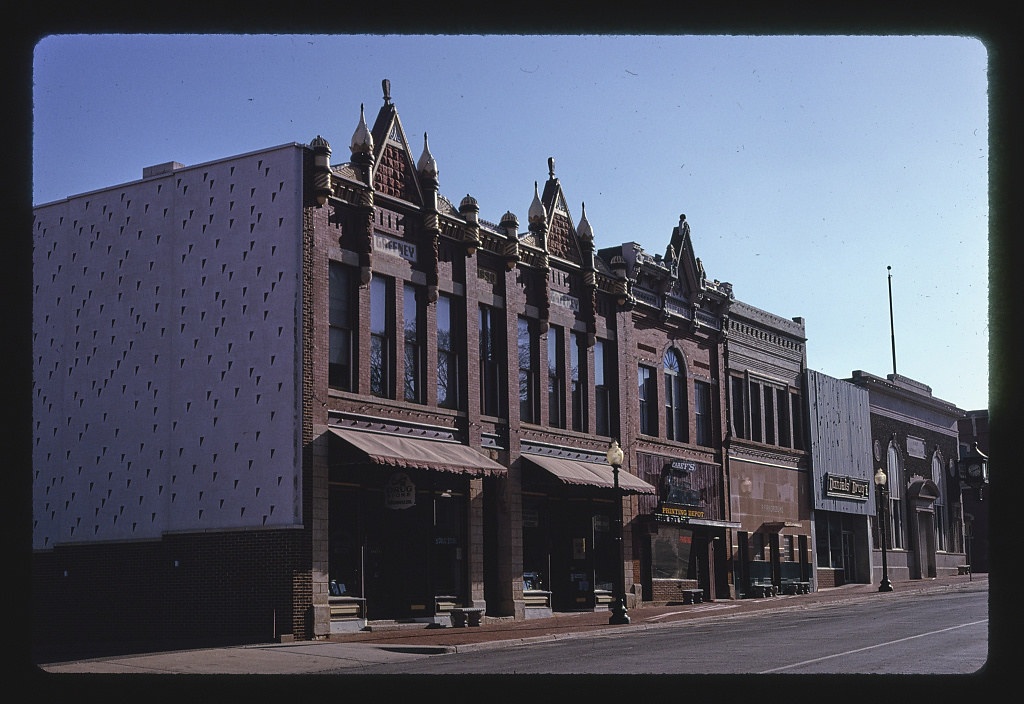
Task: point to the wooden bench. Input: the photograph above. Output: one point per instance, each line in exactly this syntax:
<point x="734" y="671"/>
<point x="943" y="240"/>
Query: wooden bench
<point x="463" y="616"/>
<point x="963" y="569"/>
<point x="762" y="588"/>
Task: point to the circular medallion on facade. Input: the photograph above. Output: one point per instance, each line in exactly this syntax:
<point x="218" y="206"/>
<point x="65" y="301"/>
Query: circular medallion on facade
<point x="878" y="451"/>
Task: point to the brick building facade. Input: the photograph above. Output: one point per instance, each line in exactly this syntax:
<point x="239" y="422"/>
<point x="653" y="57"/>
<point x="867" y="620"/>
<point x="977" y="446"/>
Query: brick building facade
<point x="276" y="397"/>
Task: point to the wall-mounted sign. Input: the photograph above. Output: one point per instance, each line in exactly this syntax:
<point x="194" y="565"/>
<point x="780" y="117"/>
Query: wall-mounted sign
<point x="843" y="487"/>
<point x="399" y="492"/>
<point x="678" y="514"/>
<point x="915" y="447"/>
<point x="390" y="245"/>
<point x="565" y="301"/>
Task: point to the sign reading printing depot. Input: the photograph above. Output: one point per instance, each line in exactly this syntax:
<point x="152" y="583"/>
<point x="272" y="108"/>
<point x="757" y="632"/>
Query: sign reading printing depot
<point x="405" y="250"/>
<point x="843" y="487"/>
<point x="399" y="492"/>
<point x="679" y="500"/>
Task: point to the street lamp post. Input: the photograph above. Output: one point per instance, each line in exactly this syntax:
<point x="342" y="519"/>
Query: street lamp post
<point x="883" y="501"/>
<point x="619" y="615"/>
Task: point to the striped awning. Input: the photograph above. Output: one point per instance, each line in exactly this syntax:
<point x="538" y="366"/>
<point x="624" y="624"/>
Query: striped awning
<point x="415" y="453"/>
<point x="580" y="473"/>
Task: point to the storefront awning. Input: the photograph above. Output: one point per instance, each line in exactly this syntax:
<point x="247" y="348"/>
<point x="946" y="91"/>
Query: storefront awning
<point x="417" y="453"/>
<point x="582" y="473"/>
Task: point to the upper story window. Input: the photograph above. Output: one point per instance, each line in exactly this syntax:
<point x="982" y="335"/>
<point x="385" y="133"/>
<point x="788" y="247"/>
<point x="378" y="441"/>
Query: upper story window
<point x="449" y="342"/>
<point x="381" y="342"/>
<point x="765" y="412"/>
<point x="577" y="382"/>
<point x="491" y="335"/>
<point x="676" y="425"/>
<point x="648" y="400"/>
<point x="415" y="362"/>
<point x="702" y="413"/>
<point x="343" y="298"/>
<point x="894" y="483"/>
<point x="605" y="389"/>
<point x="527" y="355"/>
<point x="556" y="376"/>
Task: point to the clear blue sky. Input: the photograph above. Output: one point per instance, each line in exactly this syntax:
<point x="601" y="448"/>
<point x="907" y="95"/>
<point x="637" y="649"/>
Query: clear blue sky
<point x="805" y="165"/>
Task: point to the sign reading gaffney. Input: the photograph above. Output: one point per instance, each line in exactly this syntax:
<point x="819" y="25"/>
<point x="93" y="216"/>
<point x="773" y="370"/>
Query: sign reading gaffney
<point x="843" y="487"/>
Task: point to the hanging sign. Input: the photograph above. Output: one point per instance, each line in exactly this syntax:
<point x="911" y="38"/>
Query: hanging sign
<point x="399" y="492"/>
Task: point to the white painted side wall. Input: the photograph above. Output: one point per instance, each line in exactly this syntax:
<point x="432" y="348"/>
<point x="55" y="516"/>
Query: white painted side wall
<point x="167" y="354"/>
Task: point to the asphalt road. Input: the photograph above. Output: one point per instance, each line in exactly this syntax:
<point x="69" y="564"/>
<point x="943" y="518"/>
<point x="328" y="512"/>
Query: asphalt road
<point x="929" y="634"/>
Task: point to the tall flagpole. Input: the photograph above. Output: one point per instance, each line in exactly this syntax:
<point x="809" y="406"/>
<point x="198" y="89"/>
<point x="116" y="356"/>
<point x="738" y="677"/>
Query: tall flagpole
<point x="892" y="327"/>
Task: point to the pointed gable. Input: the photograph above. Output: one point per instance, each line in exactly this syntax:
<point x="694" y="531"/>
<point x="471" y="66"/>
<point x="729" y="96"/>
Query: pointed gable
<point x="394" y="170"/>
<point x="680" y="256"/>
<point x="562" y="239"/>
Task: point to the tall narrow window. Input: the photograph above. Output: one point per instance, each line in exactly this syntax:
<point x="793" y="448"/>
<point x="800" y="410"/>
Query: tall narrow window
<point x="605" y="375"/>
<point x="342" y="299"/>
<point x="893" y="484"/>
<point x="769" y="414"/>
<point x="755" y="412"/>
<point x="798" y="421"/>
<point x="702" y="412"/>
<point x="577" y="379"/>
<point x="449" y="342"/>
<point x="415" y="359"/>
<point x="556" y="377"/>
<point x="738" y="410"/>
<point x="782" y="413"/>
<point x="940" y="507"/>
<point x="527" y="346"/>
<point x="648" y="399"/>
<point x="380" y="337"/>
<point x="676" y="425"/>
<point x="490" y="361"/>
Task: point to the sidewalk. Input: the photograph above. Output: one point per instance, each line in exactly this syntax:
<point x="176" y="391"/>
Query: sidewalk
<point x="395" y="643"/>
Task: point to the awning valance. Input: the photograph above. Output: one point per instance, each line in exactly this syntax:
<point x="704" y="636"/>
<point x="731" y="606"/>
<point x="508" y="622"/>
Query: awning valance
<point x="417" y="453"/>
<point x="581" y="473"/>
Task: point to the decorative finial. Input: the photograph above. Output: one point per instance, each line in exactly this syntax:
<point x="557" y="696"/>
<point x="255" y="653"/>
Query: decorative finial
<point x="551" y="167"/>
<point x="386" y="85"/>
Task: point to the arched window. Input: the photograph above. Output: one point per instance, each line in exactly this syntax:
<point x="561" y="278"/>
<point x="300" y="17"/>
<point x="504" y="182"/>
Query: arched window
<point x="940" y="508"/>
<point x="894" y="484"/>
<point x="676" y="424"/>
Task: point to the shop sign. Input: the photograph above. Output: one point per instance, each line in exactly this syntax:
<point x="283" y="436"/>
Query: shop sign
<point x="405" y="250"/>
<point x="678" y="514"/>
<point x="843" y="487"/>
<point x="399" y="492"/>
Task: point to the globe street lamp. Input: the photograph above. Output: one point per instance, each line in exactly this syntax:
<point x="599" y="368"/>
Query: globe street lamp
<point x="619" y="615"/>
<point x="883" y="526"/>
